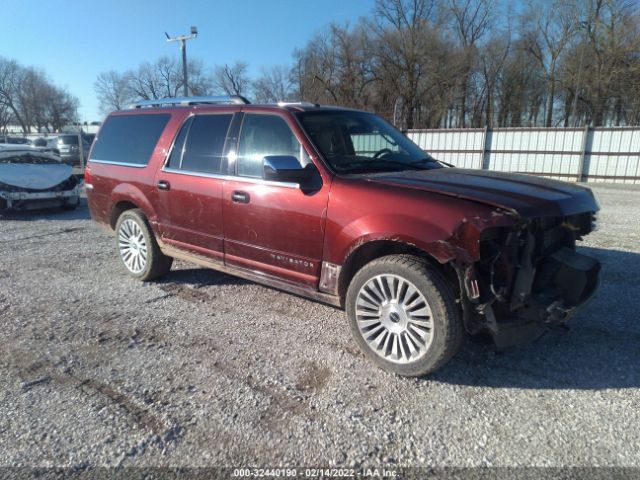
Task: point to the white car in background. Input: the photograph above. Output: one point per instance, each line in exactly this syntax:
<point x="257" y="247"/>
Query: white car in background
<point x="33" y="179"/>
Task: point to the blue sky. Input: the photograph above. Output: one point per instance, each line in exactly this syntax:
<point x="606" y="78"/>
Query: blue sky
<point x="74" y="41"/>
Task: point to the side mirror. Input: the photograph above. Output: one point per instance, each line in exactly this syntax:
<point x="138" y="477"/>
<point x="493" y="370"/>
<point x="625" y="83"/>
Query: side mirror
<point x="286" y="168"/>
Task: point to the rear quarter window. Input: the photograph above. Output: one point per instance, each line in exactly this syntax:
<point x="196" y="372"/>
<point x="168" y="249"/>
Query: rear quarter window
<point x="129" y="139"/>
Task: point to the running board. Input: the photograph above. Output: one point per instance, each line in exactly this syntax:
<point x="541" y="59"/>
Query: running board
<point x="250" y="275"/>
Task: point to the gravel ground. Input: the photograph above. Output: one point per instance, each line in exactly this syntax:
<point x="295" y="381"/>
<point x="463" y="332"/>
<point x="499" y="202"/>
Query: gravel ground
<point x="202" y="369"/>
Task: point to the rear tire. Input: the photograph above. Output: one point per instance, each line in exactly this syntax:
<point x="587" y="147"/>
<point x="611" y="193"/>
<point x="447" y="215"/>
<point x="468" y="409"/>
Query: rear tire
<point x="138" y="248"/>
<point x="403" y="315"/>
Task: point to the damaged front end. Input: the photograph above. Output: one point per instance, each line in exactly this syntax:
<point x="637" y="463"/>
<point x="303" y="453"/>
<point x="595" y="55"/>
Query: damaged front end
<point x="529" y="278"/>
<point x="33" y="179"/>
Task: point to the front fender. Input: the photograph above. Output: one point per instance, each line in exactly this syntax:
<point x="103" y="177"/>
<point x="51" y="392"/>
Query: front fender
<point x="455" y="238"/>
<point x="361" y="211"/>
<point x="406" y="229"/>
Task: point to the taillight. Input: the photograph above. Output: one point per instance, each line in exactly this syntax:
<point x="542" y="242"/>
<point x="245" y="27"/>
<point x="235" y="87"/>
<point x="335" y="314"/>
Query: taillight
<point x="87" y="176"/>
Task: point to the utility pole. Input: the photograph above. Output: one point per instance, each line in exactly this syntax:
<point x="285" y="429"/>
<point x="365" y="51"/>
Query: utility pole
<point x="183" y="48"/>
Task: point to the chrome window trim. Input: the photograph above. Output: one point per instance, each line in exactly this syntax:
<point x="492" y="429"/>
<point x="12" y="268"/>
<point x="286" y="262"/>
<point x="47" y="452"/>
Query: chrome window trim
<point x="233" y="178"/>
<point x="124" y="164"/>
<point x="190" y="120"/>
<point x="175" y="137"/>
<point x="259" y="181"/>
<point x="192" y="173"/>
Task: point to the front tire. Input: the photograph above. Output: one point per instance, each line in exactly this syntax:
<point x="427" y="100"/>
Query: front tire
<point x="137" y="247"/>
<point x="403" y="315"/>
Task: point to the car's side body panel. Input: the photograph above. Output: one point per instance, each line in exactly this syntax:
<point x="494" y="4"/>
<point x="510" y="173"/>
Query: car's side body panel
<point x="191" y="212"/>
<point x="278" y="228"/>
<point x="112" y="183"/>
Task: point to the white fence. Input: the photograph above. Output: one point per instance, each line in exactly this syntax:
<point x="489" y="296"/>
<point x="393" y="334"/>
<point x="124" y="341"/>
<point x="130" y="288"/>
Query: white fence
<point x="579" y="154"/>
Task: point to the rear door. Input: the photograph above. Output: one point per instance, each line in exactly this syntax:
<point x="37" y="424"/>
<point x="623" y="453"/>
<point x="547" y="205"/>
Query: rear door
<point x="270" y="227"/>
<point x="190" y="185"/>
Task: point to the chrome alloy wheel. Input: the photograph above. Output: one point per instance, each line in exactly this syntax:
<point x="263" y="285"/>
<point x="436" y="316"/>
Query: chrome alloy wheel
<point x="394" y="318"/>
<point x="132" y="245"/>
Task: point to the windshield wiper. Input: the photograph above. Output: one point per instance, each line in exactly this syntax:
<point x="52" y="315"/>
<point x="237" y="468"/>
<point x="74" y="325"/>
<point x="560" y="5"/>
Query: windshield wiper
<point x="414" y="165"/>
<point x="432" y="160"/>
<point x="378" y="165"/>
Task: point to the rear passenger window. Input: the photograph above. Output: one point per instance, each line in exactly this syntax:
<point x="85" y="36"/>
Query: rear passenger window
<point x="129" y="138"/>
<point x="203" y="149"/>
<point x="264" y="135"/>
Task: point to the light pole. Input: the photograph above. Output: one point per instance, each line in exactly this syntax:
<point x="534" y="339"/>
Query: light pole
<point x="183" y="48"/>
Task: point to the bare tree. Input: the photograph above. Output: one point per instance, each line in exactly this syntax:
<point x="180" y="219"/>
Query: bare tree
<point x="612" y="61"/>
<point x="155" y="80"/>
<point x="113" y="90"/>
<point x="6" y="117"/>
<point x="200" y="81"/>
<point x="316" y="70"/>
<point x="405" y="36"/>
<point x="28" y="97"/>
<point x="337" y="66"/>
<point x="60" y="108"/>
<point x="435" y="63"/>
<point x="551" y="27"/>
<point x="34" y="90"/>
<point x="492" y="59"/>
<point x="275" y="84"/>
<point x="471" y="23"/>
<point x="163" y="78"/>
<point x="10" y="76"/>
<point x="232" y="79"/>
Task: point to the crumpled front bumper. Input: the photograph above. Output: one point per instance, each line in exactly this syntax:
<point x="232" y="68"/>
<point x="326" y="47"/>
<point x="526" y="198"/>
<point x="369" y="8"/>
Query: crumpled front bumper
<point x="564" y="282"/>
<point x="22" y="199"/>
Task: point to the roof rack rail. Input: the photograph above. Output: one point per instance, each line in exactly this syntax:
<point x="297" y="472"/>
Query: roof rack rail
<point x="298" y="104"/>
<point x="215" y="100"/>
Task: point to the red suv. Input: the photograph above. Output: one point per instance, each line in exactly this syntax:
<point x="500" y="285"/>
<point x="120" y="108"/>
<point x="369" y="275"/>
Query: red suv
<point x="338" y="206"/>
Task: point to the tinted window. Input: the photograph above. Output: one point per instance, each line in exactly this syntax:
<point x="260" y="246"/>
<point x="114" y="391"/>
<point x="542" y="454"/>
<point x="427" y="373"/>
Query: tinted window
<point x="129" y="138"/>
<point x="178" y="145"/>
<point x="68" y="140"/>
<point x="264" y="135"/>
<point x="205" y="143"/>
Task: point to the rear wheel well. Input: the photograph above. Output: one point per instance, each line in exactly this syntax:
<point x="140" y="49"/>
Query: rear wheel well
<point x="117" y="210"/>
<point x="381" y="248"/>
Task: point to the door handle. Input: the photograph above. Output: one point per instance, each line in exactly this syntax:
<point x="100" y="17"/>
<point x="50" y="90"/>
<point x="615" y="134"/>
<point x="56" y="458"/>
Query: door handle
<point x="240" y="197"/>
<point x="164" y="185"/>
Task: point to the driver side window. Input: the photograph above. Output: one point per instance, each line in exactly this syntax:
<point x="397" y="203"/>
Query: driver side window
<point x="264" y="135"/>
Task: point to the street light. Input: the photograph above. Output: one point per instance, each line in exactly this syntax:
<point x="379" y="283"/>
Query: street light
<point x="183" y="48"/>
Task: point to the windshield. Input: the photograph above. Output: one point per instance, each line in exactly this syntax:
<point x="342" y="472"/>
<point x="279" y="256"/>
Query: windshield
<point x="360" y="142"/>
<point x="68" y="140"/>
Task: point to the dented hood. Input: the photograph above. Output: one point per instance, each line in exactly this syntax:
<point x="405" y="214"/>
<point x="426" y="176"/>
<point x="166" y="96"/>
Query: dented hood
<point x="524" y="194"/>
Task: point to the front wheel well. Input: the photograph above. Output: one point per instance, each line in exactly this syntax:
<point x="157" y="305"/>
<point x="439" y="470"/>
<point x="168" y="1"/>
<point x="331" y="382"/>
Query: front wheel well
<point x="381" y="248"/>
<point x="118" y="209"/>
